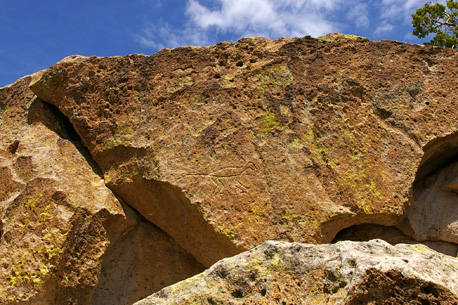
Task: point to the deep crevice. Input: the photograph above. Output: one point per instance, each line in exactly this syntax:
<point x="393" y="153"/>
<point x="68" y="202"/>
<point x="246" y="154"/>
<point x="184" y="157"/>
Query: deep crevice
<point x="129" y="270"/>
<point x="50" y="116"/>
<point x="168" y="207"/>
<point x="366" y="232"/>
<point x="393" y="236"/>
<point x="13" y="147"/>
<point x="130" y="264"/>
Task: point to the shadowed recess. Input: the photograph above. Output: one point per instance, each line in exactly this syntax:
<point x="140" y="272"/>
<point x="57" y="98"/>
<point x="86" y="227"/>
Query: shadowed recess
<point x="129" y="265"/>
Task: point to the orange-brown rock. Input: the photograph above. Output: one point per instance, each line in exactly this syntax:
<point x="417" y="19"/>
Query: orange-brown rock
<point x="226" y="146"/>
<point x="61" y="226"/>
<point x="218" y="149"/>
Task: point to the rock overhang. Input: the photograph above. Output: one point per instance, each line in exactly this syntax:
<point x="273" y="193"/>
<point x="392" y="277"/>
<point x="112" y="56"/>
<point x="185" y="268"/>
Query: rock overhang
<point x="226" y="146"/>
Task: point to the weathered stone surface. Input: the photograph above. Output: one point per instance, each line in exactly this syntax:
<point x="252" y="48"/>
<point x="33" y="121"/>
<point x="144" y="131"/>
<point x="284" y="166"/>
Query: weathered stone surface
<point x="344" y="273"/>
<point x="219" y="149"/>
<point x="434" y="211"/>
<point x="392" y="235"/>
<point x="141" y="262"/>
<point x="238" y="143"/>
<point x="57" y="217"/>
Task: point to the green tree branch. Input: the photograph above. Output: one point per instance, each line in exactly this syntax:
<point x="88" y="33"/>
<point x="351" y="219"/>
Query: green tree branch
<point x="439" y="19"/>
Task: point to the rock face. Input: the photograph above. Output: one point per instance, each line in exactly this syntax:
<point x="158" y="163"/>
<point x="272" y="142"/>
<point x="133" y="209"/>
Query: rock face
<point x="239" y="143"/>
<point x="171" y="162"/>
<point x="61" y="227"/>
<point x="344" y="273"/>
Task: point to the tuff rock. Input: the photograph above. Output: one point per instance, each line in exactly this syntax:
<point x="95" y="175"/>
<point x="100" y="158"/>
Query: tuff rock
<point x="156" y="167"/>
<point x="344" y="273"/>
<point x="64" y="236"/>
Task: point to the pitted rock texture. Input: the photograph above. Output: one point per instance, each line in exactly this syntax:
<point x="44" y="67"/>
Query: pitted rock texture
<point x="218" y="149"/>
<point x="60" y="224"/>
<point x="48" y="191"/>
<point x="238" y="143"/>
<point x="344" y="273"/>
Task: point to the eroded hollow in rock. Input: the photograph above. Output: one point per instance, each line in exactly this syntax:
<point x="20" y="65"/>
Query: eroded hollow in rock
<point x="366" y="232"/>
<point x="13" y="147"/>
<point x="393" y="287"/>
<point x="432" y="214"/>
<point x="391" y="235"/>
<point x="431" y="217"/>
<point x="439" y="153"/>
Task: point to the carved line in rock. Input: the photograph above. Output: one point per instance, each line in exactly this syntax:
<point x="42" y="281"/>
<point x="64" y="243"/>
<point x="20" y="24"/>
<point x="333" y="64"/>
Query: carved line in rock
<point x="162" y="204"/>
<point x="140" y="260"/>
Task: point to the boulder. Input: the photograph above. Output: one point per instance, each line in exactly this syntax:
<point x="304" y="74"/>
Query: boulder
<point x="227" y="146"/>
<point x="344" y="273"/>
<point x="61" y="227"/>
<point x="156" y="167"/>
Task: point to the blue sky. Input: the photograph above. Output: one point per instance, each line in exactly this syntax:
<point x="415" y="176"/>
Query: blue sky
<point x="36" y="34"/>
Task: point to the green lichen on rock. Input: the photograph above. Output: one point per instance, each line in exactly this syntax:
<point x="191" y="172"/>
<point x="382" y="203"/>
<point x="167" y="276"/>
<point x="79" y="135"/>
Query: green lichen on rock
<point x="31" y="265"/>
<point x="178" y="84"/>
<point x="273" y="79"/>
<point x="280" y="272"/>
<point x="269" y="122"/>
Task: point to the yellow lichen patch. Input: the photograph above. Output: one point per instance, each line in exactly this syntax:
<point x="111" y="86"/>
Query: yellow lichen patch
<point x="36" y="77"/>
<point x="257" y="209"/>
<point x="362" y="184"/>
<point x="120" y="134"/>
<point x="273" y="79"/>
<point x="31" y="203"/>
<point x="177" y="84"/>
<point x="420" y="248"/>
<point x="3" y="110"/>
<point x="37" y="246"/>
<point x="46" y="214"/>
<point x="229" y="232"/>
<point x="31" y="267"/>
<point x="270" y="122"/>
<point x="333" y="36"/>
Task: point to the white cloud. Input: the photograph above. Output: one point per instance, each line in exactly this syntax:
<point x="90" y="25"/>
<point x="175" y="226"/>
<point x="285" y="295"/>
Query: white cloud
<point x="271" y="18"/>
<point x="203" y="23"/>
<point x="359" y="15"/>
<point x="395" y="14"/>
<point x="399" y="9"/>
<point x="243" y="18"/>
<point x="383" y="28"/>
<point x="161" y="35"/>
